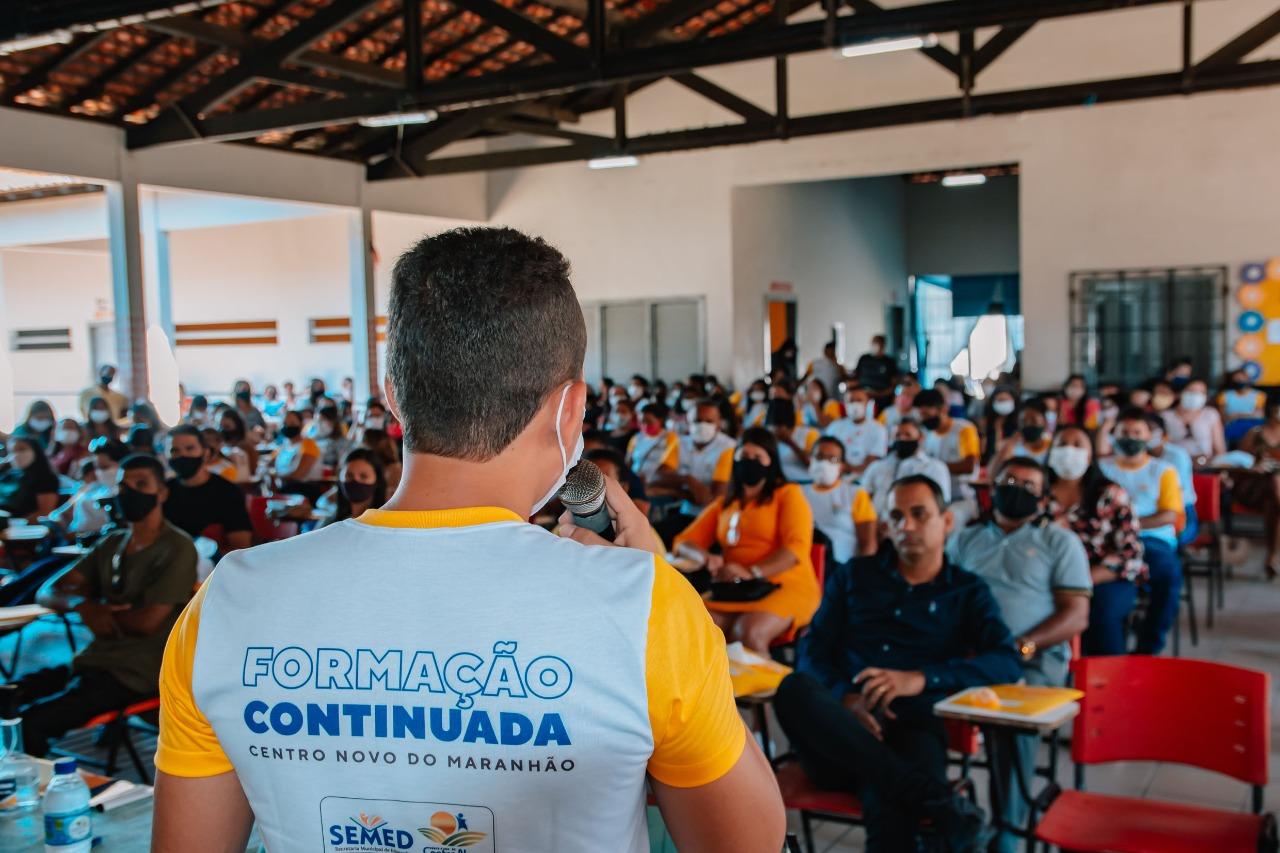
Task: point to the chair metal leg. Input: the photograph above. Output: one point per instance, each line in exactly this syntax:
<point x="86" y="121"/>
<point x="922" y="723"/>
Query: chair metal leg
<point x="1177" y="636"/>
<point x="806" y="824"/>
<point x="115" y="731"/>
<point x="134" y="756"/>
<point x="1191" y="608"/>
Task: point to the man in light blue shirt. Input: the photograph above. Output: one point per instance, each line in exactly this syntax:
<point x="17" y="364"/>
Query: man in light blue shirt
<point x="1039" y="574"/>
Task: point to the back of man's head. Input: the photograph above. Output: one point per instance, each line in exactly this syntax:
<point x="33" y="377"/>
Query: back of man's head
<point x="484" y="325"/>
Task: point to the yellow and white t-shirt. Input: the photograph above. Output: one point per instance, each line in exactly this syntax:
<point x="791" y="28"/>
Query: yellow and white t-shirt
<point x="836" y="511"/>
<point x="861" y="440"/>
<point x="647" y="455"/>
<point x="796" y="470"/>
<point x="447" y="678"/>
<point x="712" y="463"/>
<point x="960" y="441"/>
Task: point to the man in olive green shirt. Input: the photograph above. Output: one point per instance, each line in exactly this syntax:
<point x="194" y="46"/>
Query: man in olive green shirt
<point x="128" y="591"/>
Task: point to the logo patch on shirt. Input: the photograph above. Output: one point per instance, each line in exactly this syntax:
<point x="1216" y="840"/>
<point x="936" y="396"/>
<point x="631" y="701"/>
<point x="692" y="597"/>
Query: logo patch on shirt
<point x="354" y="825"/>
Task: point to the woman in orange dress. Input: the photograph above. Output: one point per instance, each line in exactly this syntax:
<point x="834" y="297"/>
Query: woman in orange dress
<point x="764" y="528"/>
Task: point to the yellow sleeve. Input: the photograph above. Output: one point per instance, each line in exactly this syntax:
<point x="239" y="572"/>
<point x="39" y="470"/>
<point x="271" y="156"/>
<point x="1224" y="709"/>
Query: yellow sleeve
<point x="671" y="456"/>
<point x="967" y="441"/>
<point x="631" y="447"/>
<point x="795" y="522"/>
<point x="1259" y="401"/>
<point x="702" y="531"/>
<point x="1170" y="492"/>
<point x="831" y="409"/>
<point x="881" y="417"/>
<point x="811" y="440"/>
<point x="310" y="448"/>
<point x="697" y="734"/>
<point x="863" y="510"/>
<point x="229" y="474"/>
<point x="1221" y="399"/>
<point x="724" y="466"/>
<point x="187" y="745"/>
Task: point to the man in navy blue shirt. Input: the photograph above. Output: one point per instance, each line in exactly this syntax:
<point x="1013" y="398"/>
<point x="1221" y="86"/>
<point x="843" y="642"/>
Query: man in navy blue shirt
<point x="896" y="632"/>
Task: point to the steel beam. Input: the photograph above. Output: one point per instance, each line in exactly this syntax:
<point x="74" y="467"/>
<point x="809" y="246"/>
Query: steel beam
<point x="527" y="30"/>
<point x="734" y="103"/>
<point x="1242" y="45"/>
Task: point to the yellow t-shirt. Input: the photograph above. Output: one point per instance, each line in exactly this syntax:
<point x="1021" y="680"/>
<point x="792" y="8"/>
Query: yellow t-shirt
<point x="461" y="638"/>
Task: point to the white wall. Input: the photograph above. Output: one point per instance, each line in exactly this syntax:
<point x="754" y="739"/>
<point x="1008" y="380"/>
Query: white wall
<point x="841" y="246"/>
<point x="962" y="230"/>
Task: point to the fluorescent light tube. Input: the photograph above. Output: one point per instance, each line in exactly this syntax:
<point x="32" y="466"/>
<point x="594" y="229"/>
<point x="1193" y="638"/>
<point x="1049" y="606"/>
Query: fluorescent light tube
<point x="619" y="162"/>
<point x="870" y="48"/>
<point x="970" y="179"/>
<point x="397" y="119"/>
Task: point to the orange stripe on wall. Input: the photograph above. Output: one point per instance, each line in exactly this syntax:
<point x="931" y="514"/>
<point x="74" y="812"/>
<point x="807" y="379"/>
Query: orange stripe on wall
<point x="222" y="342"/>
<point x="236" y="326"/>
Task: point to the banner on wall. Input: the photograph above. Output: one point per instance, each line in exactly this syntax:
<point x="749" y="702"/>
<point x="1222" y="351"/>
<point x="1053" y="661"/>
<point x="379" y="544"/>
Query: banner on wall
<point x="1259" y="323"/>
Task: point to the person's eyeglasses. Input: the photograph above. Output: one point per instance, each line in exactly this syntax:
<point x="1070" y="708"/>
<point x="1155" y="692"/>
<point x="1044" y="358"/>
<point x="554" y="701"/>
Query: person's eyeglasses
<point x="1030" y="485"/>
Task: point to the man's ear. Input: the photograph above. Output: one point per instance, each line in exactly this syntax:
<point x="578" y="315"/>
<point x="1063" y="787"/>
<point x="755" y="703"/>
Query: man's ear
<point x="949" y="519"/>
<point x="389" y="396"/>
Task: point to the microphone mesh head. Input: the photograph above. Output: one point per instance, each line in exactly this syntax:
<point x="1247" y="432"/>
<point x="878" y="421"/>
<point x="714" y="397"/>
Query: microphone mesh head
<point x="583" y="489"/>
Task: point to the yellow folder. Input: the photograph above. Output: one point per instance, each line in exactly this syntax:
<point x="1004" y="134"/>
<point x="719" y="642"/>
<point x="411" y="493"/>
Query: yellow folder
<point x="1020" y="699"/>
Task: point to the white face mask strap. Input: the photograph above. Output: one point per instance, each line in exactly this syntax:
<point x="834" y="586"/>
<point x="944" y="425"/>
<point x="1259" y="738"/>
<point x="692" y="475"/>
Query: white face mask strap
<point x="564" y="395"/>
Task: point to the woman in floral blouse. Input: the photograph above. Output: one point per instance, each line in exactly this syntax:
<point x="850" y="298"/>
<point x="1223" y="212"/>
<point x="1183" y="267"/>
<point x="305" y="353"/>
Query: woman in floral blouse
<point x="1083" y="500"/>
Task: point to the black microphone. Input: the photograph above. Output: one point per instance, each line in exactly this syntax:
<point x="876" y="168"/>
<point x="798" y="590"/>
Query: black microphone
<point x="583" y="495"/>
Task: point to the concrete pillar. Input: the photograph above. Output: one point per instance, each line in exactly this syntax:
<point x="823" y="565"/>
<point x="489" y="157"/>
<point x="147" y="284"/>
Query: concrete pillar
<point x="157" y="287"/>
<point x="364" y="314"/>
<point x="125" y="237"/>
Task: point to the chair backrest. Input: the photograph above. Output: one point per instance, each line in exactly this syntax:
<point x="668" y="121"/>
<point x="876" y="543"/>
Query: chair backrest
<point x="1208" y="497"/>
<point x="1194" y="712"/>
<point x="818" y="556"/>
<point x="1074" y="645"/>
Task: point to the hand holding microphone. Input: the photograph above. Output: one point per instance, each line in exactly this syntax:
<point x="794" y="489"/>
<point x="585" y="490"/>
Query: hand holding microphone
<point x="599" y="512"/>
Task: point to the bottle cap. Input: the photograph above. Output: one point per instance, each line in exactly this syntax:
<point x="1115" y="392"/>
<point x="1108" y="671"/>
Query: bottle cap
<point x="64" y="766"/>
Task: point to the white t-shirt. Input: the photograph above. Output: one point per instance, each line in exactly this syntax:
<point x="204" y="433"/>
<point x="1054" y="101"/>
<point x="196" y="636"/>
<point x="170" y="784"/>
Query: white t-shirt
<point x="880" y="475"/>
<point x="797" y="471"/>
<point x="458" y="677"/>
<point x="836" y="511"/>
<point x="703" y="463"/>
<point x="960" y="440"/>
<point x="860" y="440"/>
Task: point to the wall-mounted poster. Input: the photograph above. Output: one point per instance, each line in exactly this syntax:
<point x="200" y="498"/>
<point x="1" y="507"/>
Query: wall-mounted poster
<point x="1259" y="323"/>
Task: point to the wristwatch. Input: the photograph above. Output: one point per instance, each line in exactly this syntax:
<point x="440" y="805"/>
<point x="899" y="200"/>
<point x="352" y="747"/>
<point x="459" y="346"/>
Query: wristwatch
<point x="1026" y="648"/>
<point x="756" y="573"/>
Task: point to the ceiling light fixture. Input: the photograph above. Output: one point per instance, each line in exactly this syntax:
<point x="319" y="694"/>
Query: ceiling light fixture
<point x="398" y="119"/>
<point x="871" y="48"/>
<point x="968" y="179"/>
<point x="619" y="161"/>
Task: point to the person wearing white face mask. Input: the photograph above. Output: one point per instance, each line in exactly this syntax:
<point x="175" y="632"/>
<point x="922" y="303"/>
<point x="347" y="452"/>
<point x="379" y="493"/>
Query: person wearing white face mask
<point x="705" y="468"/>
<point x="99" y="421"/>
<point x="1194" y="426"/>
<point x="863" y="437"/>
<point x="448" y="603"/>
<point x="841" y="511"/>
<point x="1097" y="510"/>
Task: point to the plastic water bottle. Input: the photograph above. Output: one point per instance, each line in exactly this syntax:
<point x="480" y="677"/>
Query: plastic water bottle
<point x="68" y="827"/>
<point x="19" y="775"/>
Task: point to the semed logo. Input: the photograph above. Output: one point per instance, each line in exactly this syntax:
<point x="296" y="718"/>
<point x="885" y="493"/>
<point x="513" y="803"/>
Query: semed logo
<point x="450" y="832"/>
<point x="354" y="825"/>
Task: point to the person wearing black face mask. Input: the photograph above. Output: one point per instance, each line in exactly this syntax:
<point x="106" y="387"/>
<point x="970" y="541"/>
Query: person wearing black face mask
<point x="128" y="590"/>
<point x="764" y="528"/>
<point x="906" y="457"/>
<point x="1039" y="574"/>
<point x="1033" y="438"/>
<point x="362" y="485"/>
<point x="199" y="500"/>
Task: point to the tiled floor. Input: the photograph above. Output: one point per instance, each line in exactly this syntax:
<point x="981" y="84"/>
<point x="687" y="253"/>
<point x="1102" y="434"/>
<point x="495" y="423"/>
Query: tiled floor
<point x="1246" y="634"/>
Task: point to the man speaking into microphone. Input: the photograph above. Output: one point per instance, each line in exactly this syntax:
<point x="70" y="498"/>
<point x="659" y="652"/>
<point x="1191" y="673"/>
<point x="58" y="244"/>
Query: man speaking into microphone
<point x="440" y="674"/>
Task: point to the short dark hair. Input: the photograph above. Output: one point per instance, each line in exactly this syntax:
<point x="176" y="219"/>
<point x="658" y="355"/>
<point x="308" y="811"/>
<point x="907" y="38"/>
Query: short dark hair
<point x="607" y="454"/>
<point x="929" y="397"/>
<point x="112" y="448"/>
<point x="922" y="480"/>
<point x="658" y="410"/>
<point x="1133" y="413"/>
<point x="488" y="302"/>
<point x="1022" y="462"/>
<point x="833" y="441"/>
<point x="775" y="477"/>
<point x="188" y="430"/>
<point x="779" y="413"/>
<point x="135" y="461"/>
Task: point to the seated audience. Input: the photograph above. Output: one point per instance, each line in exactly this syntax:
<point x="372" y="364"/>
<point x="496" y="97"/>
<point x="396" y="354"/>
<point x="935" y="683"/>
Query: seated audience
<point x="199" y="499"/>
<point x="752" y="409"/>
<point x="144" y="414"/>
<point x="1161" y="448"/>
<point x="765" y="530"/>
<point x="84" y="515"/>
<point x="141" y="439"/>
<point x="999" y="421"/>
<point x="818" y="409"/>
<point x="1084" y="501"/>
<point x="954" y="442"/>
<point x="1076" y="407"/>
<point x="896" y="632"/>
<point x="248" y="413"/>
<point x="1162" y="397"/>
<point x="362" y="486"/>
<point x="238" y="445"/>
<point x="842" y="512"/>
<point x="329" y="435"/>
<point x="378" y="441"/>
<point x="1033" y="438"/>
<point x="1153" y="488"/>
<point x="219" y="464"/>
<point x="795" y="443"/>
<point x="829" y="371"/>
<point x="906" y="458"/>
<point x="128" y="591"/>
<point x="621" y="424"/>
<point x="271" y="404"/>
<point x="1240" y="400"/>
<point x="100" y="422"/>
<point x="116" y="403"/>
<point x="654" y="450"/>
<point x="1039" y="575"/>
<point x="298" y="459"/>
<point x="612" y="466"/>
<point x="28" y="483"/>
<point x="864" y="439"/>
<point x="39" y="424"/>
<point x="904" y="401"/>
<point x="69" y="447"/>
<point x="198" y="411"/>
<point x="1258" y="488"/>
<point x="1194" y="425"/>
<point x="705" y="467"/>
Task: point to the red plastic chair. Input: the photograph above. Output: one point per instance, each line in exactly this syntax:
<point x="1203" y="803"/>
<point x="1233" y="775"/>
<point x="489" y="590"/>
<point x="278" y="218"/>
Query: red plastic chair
<point x="817" y="556"/>
<point x="1208" y="563"/>
<point x="116" y="728"/>
<point x="1192" y="712"/>
<point x="264" y="528"/>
